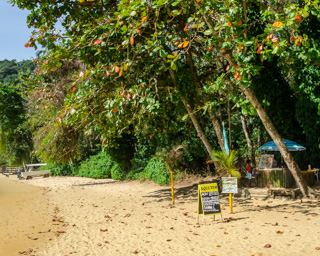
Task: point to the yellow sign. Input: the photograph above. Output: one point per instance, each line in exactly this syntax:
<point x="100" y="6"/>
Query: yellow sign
<point x="208" y="199"/>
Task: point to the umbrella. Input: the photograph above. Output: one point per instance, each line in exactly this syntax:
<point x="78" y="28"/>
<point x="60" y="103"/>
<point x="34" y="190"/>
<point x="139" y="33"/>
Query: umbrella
<point x="291" y="145"/>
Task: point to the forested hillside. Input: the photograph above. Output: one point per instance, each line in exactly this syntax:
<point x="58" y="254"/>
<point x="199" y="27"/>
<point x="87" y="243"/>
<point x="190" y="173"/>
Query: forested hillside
<point x="15" y="137"/>
<point x="135" y="79"/>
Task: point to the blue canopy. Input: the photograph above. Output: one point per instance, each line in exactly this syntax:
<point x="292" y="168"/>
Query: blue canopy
<point x="291" y="145"/>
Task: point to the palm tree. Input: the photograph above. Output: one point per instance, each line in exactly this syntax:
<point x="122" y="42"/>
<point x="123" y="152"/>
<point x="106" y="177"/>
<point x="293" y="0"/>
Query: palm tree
<point x="227" y="163"/>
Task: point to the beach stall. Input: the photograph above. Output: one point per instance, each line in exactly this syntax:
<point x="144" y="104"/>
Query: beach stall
<point x="274" y="174"/>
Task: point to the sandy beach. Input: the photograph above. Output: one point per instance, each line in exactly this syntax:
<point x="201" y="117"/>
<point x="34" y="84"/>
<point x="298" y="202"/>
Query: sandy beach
<point x="81" y="216"/>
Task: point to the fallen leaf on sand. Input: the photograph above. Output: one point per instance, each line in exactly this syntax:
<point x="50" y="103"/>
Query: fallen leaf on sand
<point x="196" y="234"/>
<point x="218" y="245"/>
<point x="103" y="230"/>
<point x="226" y="233"/>
<point x="168" y="240"/>
<point x="317" y="248"/>
<point x="33" y="238"/>
<point x="245" y="237"/>
<point x="267" y="246"/>
<point x="279" y="232"/>
<point x="135" y="252"/>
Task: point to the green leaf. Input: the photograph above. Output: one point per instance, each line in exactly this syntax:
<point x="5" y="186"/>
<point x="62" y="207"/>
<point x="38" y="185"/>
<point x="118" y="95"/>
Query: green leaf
<point x="163" y="53"/>
<point x="175" y="3"/>
<point x="190" y="19"/>
<point x="173" y="66"/>
<point x="207" y="32"/>
<point x="169" y="56"/>
<point x="186" y="116"/>
<point x="248" y="43"/>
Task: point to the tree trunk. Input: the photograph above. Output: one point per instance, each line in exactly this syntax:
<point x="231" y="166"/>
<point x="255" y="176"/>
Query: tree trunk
<point x="217" y="129"/>
<point x="248" y="139"/>
<point x="196" y="80"/>
<point x="229" y="120"/>
<point x="271" y="129"/>
<point x="197" y="126"/>
<point x="193" y="117"/>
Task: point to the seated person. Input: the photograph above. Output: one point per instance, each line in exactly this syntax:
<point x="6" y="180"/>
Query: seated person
<point x="275" y="163"/>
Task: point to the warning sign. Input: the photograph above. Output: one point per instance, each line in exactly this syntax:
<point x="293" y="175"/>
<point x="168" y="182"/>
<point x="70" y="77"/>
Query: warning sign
<point x="208" y="199"/>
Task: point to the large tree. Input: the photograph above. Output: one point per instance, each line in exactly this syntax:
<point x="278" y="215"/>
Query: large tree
<point x="128" y="46"/>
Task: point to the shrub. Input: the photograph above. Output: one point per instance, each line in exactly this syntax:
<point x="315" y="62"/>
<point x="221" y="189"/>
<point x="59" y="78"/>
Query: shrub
<point x="96" y="166"/>
<point x="101" y="166"/>
<point x="62" y="169"/>
<point x="156" y="170"/>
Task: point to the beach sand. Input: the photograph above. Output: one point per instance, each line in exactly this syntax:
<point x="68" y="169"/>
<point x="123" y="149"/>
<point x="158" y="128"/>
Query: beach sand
<point x="107" y="217"/>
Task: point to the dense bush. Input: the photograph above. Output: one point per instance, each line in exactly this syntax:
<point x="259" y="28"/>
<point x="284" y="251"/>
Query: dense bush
<point x="156" y="170"/>
<point x="100" y="166"/>
<point x="62" y="169"/>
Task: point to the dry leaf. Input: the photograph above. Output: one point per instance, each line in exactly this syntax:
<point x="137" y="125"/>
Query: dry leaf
<point x="245" y="238"/>
<point x="185" y="44"/>
<point x="103" y="230"/>
<point x="131" y="40"/>
<point x="267" y="246"/>
<point x="279" y="232"/>
<point x="218" y="245"/>
<point x="33" y="238"/>
<point x="317" y="248"/>
<point x="277" y="24"/>
<point x="144" y="19"/>
<point x="226" y="233"/>
<point x="120" y="73"/>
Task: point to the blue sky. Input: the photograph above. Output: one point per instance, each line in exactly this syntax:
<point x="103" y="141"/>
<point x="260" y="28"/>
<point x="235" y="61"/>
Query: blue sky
<point x="14" y="33"/>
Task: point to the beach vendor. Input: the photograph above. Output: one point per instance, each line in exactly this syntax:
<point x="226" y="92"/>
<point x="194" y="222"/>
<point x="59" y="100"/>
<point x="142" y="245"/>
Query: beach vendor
<point x="249" y="171"/>
<point x="20" y="175"/>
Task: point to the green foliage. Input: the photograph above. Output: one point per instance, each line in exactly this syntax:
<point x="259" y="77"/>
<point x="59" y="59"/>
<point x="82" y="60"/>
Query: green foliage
<point x="120" y="90"/>
<point x="63" y="169"/>
<point x="227" y="163"/>
<point x="97" y="166"/>
<point x="156" y="170"/>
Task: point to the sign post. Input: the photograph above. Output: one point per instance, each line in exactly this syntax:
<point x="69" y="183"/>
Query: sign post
<point x="208" y="200"/>
<point x="230" y="186"/>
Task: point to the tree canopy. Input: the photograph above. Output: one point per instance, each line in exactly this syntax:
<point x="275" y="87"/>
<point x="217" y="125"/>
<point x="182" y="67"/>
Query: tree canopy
<point x="153" y="70"/>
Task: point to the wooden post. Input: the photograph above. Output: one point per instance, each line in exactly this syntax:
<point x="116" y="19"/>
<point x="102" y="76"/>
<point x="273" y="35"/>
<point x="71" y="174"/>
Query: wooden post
<point x="172" y="188"/>
<point x="230" y="199"/>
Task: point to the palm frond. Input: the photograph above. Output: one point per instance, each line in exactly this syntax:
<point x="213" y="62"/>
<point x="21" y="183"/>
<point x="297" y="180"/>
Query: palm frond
<point x="226" y="162"/>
